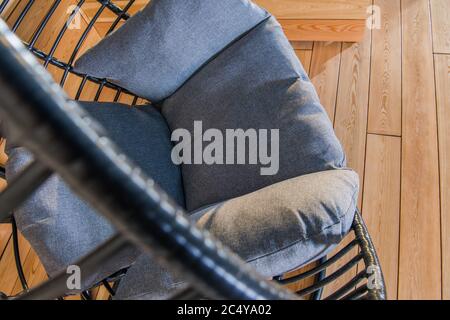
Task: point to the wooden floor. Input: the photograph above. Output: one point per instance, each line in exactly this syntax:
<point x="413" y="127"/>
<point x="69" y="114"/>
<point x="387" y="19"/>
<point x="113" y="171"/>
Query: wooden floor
<point x="389" y="100"/>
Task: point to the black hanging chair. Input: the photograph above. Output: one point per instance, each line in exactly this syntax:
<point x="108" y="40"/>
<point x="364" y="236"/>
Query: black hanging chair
<point x="51" y="127"/>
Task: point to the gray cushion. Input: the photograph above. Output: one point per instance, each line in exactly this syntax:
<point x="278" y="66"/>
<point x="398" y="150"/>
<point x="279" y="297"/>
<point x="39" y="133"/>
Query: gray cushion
<point x="60" y="226"/>
<point x="258" y="82"/>
<point x="159" y="48"/>
<point x="275" y="229"/>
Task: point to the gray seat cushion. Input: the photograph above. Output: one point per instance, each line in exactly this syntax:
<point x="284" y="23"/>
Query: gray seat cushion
<point x="256" y="83"/>
<point x="159" y="48"/>
<point x="60" y="226"/>
<point x="275" y="229"/>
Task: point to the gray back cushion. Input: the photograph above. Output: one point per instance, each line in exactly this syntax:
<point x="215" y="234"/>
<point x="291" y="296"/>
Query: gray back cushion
<point x="275" y="229"/>
<point x="229" y="65"/>
<point x="61" y="227"/>
<point x="159" y="48"/>
<point x="256" y="83"/>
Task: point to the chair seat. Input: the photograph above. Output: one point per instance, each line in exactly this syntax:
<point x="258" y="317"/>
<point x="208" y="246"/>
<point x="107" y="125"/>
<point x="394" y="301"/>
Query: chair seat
<point x="275" y="229"/>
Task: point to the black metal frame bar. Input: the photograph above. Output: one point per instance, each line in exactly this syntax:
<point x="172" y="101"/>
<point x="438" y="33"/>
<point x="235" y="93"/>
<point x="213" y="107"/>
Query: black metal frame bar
<point x="18" y="192"/>
<point x="15" y="239"/>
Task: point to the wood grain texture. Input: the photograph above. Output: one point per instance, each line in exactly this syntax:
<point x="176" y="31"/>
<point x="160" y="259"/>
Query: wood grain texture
<point x="33" y="270"/>
<point x="440" y="13"/>
<point x="324" y="74"/>
<point x="296" y="30"/>
<point x="8" y="272"/>
<point x="302" y="284"/>
<point x="3" y="156"/>
<point x="13" y="12"/>
<point x="305" y="58"/>
<point x="9" y="8"/>
<point x="323" y="30"/>
<point x="5" y="231"/>
<point x="352" y="103"/>
<point x="420" y="245"/>
<point x="302" y="20"/>
<point x="347" y="276"/>
<point x="302" y="45"/>
<point x="316" y="9"/>
<point x="385" y="104"/>
<point x="46" y="39"/>
<point x="8" y="275"/>
<point x="351" y="119"/>
<point x="381" y="202"/>
<point x="442" y="65"/>
<point x="67" y="44"/>
<point x="102" y="293"/>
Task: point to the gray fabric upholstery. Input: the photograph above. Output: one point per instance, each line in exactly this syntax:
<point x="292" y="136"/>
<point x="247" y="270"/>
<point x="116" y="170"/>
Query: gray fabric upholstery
<point x="229" y="65"/>
<point x="275" y="229"/>
<point x="60" y="226"/>
<point x="258" y="82"/>
<point x="159" y="48"/>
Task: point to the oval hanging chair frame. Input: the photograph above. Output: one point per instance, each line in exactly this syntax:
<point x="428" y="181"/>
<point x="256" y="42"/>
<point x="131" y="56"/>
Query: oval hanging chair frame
<point x="71" y="148"/>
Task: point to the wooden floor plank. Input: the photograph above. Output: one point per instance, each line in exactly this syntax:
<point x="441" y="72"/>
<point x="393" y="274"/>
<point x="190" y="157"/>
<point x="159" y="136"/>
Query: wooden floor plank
<point x="385" y="101"/>
<point x="5" y="235"/>
<point x="381" y="202"/>
<point x="351" y="118"/>
<point x="324" y="74"/>
<point x="302" y="45"/>
<point x="347" y="276"/>
<point x="420" y="245"/>
<point x="14" y="13"/>
<point x="8" y="275"/>
<point x="324" y="30"/>
<point x="8" y="271"/>
<point x="32" y="18"/>
<point x="305" y="58"/>
<point x="33" y="270"/>
<point x="9" y="8"/>
<point x="3" y="156"/>
<point x="442" y="65"/>
<point x="71" y="36"/>
<point x="352" y="103"/>
<point x="311" y="9"/>
<point x="38" y="274"/>
<point x="440" y="12"/>
<point x="5" y="229"/>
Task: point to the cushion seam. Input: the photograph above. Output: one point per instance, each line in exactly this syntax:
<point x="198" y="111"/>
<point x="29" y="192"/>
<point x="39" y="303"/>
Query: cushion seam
<point x="214" y="57"/>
